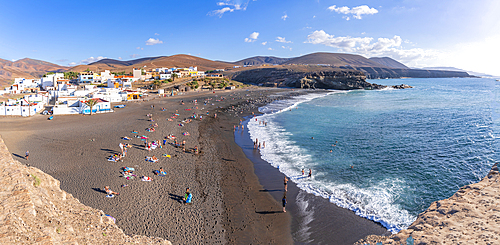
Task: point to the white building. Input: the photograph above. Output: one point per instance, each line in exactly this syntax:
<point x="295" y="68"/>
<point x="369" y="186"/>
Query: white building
<point x="110" y="94"/>
<point x="165" y="76"/>
<point x="49" y="80"/>
<point x="20" y="107"/>
<point x="137" y="73"/>
<point x="78" y="106"/>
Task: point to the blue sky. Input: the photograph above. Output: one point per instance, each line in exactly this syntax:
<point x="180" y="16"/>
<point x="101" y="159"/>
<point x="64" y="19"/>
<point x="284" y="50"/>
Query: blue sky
<point x="419" y="33"/>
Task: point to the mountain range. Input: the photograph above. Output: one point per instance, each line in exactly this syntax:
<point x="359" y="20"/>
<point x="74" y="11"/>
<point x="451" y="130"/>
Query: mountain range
<point x="376" y="67"/>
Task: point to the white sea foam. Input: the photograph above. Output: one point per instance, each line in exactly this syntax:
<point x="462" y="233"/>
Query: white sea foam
<point x="375" y="203"/>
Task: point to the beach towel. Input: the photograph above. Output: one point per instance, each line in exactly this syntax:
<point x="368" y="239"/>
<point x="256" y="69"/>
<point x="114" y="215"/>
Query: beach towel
<point x="146" y="178"/>
<point x="128" y="169"/>
<point x="126" y="138"/>
<point x="110" y="195"/>
<point x="134" y="132"/>
<point x="161" y="174"/>
<point x="170" y="119"/>
<point x="165" y="155"/>
<point x="112" y="159"/>
<point x="150" y="159"/>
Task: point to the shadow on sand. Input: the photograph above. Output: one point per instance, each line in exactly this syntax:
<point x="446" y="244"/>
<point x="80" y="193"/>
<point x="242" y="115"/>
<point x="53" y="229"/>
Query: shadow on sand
<point x="175" y="197"/>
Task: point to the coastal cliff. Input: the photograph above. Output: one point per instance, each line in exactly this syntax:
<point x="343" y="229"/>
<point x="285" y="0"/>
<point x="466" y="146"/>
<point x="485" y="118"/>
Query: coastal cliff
<point x="33" y="209"/>
<point x="384" y="73"/>
<point x="308" y="77"/>
<point x="470" y="216"/>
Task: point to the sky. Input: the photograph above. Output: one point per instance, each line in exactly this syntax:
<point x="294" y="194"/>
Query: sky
<point x="419" y="33"/>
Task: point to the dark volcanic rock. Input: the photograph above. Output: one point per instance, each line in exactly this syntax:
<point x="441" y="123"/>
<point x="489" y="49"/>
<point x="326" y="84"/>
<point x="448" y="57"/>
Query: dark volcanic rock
<point x="402" y="86"/>
<point x="340" y="79"/>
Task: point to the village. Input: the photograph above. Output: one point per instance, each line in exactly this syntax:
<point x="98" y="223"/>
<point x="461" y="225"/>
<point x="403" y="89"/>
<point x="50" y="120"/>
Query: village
<point x="90" y="92"/>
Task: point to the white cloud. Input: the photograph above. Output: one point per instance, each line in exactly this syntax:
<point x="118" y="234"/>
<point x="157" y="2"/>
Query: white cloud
<point x="231" y="7"/>
<point x="92" y="59"/>
<point x="152" y="41"/>
<point x="477" y="56"/>
<point x="134" y="56"/>
<point x="284" y="17"/>
<point x="390" y="47"/>
<point x="72" y="64"/>
<point x="283" y="47"/>
<point x="119" y="58"/>
<point x="264" y="43"/>
<point x="252" y="37"/>
<point x="140" y="48"/>
<point x="156" y="34"/>
<point x="356" y="12"/>
<point x="270" y="49"/>
<point x="282" y="40"/>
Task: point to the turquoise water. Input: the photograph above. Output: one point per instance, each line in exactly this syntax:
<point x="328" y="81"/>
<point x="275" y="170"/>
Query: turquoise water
<point x="408" y="147"/>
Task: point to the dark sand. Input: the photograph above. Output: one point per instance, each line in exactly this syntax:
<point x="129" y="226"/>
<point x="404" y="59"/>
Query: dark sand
<point x="229" y="204"/>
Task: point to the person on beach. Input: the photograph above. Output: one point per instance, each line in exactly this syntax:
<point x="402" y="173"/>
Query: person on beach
<point x="302" y="172"/>
<point x="110" y="192"/>
<point x="285" y="181"/>
<point x="283" y="200"/>
<point x="310" y="173"/>
<point x="27" y="155"/>
<point x="188" y="197"/>
<point x="121" y="147"/>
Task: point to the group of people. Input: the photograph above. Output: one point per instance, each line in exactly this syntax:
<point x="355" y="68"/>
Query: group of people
<point x="256" y="144"/>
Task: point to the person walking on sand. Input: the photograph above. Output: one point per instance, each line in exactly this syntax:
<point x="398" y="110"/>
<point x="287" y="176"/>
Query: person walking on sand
<point x="27" y="155"/>
<point x="283" y="200"/>
<point x="310" y="173"/>
<point x="121" y="147"/>
<point x="285" y="181"/>
<point x="188" y="197"/>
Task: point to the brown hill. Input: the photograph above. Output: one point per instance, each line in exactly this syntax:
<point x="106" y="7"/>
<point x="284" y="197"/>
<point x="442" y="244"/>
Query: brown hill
<point x="389" y="62"/>
<point x="335" y="59"/>
<point x="180" y="60"/>
<point x="27" y="68"/>
<point x="260" y="60"/>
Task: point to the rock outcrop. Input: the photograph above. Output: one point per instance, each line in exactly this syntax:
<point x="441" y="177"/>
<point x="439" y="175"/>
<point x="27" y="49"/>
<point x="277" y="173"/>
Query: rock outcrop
<point x="306" y="77"/>
<point x="470" y="216"/>
<point x="34" y="210"/>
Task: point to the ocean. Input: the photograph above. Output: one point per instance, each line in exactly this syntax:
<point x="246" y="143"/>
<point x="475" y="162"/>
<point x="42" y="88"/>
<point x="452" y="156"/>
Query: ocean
<point x="385" y="154"/>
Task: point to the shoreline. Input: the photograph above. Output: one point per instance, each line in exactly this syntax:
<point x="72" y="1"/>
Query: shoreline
<point x="314" y="219"/>
<point x="230" y="206"/>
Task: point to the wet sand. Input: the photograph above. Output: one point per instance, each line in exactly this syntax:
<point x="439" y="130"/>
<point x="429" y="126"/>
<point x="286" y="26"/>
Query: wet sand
<point x="230" y="206"/>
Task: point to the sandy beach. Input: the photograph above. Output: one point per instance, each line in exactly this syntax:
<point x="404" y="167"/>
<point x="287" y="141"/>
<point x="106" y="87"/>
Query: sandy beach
<point x="230" y="205"/>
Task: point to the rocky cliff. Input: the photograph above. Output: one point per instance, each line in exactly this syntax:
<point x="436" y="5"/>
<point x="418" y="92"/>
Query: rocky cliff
<point x="34" y="210"/>
<point x="382" y="73"/>
<point x="470" y="216"/>
<point x="305" y="77"/>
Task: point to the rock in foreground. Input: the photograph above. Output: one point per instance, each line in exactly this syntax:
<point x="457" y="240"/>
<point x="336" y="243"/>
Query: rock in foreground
<point x="34" y="210"/>
<point x="470" y="216"/>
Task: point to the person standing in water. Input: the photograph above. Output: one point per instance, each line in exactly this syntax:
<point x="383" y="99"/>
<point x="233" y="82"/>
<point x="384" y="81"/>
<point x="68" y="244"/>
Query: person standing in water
<point x="310" y="173"/>
<point x="285" y="182"/>
<point x="302" y="172"/>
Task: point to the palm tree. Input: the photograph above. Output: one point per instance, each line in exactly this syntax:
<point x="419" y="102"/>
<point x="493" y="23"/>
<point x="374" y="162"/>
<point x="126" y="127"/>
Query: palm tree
<point x="174" y="76"/>
<point x="91" y="103"/>
<point x="157" y="83"/>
